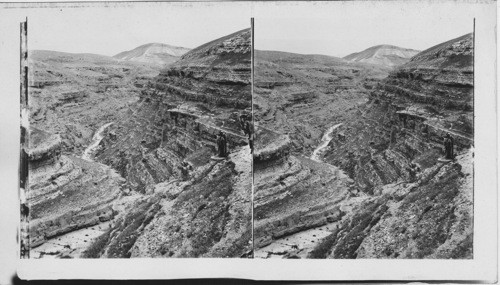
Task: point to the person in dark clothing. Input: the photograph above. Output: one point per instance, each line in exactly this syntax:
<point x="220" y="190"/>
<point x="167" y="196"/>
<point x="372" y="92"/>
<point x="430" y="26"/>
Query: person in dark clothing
<point x="226" y="152"/>
<point x="222" y="144"/>
<point x="242" y="122"/>
<point x="448" y="147"/>
<point x="25" y="211"/>
<point x="219" y="144"/>
<point x="248" y="128"/>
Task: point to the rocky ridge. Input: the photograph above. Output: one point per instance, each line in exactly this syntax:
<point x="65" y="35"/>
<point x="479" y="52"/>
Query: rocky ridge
<point x="55" y="197"/>
<point x="217" y="73"/>
<point x="400" y="199"/>
<point x="292" y="90"/>
<point x="204" y="208"/>
<point x="72" y="94"/>
<point x="154" y="189"/>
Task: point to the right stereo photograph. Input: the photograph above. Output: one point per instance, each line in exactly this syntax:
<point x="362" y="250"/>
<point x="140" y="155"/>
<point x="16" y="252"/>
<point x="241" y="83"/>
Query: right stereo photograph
<point x="363" y="142"/>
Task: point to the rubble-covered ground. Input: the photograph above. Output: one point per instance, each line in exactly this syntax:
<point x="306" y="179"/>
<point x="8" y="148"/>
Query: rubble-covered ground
<point x="141" y="162"/>
<point x="74" y="94"/>
<point x="366" y="178"/>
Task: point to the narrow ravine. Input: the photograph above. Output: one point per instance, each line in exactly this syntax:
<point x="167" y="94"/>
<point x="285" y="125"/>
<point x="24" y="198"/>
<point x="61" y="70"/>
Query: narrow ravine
<point x="96" y="139"/>
<point x="325" y="140"/>
<point x="300" y="244"/>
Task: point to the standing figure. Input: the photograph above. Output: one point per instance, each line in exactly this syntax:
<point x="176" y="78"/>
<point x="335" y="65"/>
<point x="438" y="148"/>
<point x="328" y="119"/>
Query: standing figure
<point x="242" y="122"/>
<point x="448" y="147"/>
<point x="219" y="144"/>
<point x="222" y="144"/>
<point x="226" y="151"/>
<point x="248" y="128"/>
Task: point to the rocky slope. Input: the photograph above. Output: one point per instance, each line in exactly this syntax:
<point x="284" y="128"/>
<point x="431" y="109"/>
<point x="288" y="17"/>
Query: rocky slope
<point x="302" y="95"/>
<point x="65" y="193"/>
<point x="155" y="190"/>
<point x="216" y="73"/>
<point x="418" y="103"/>
<point x="72" y="94"/>
<point x="405" y="202"/>
<point x="386" y="55"/>
<point x="153" y="53"/>
<point x="292" y="194"/>
<point x="203" y="209"/>
<point x="295" y="97"/>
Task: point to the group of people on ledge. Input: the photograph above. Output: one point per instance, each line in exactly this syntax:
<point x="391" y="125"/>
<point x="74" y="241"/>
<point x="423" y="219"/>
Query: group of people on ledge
<point x="246" y="127"/>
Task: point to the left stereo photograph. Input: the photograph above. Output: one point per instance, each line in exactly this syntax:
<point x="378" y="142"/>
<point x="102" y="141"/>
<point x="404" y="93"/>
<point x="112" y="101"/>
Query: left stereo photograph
<point x="136" y="141"/>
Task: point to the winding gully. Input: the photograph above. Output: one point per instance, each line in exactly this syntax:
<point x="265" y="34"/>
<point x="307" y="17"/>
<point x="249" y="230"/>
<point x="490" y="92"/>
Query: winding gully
<point x="325" y="140"/>
<point x="96" y="139"/>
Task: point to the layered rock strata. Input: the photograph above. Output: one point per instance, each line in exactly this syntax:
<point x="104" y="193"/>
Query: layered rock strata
<point x="402" y="199"/>
<point x="65" y="193"/>
<point x="293" y="193"/>
<point x="395" y="133"/>
<point x="72" y="94"/>
<point x="216" y="73"/>
<point x="186" y="203"/>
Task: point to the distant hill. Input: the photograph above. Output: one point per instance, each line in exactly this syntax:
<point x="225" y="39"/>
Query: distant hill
<point x="155" y="53"/>
<point x="288" y="57"/>
<point x="386" y="55"/>
<point x="66" y="57"/>
<point x="82" y="69"/>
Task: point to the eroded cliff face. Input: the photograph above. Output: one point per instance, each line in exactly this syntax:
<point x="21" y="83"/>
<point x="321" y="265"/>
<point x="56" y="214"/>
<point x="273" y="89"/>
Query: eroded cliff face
<point x="394" y="130"/>
<point x="186" y="204"/>
<point x="165" y="127"/>
<point x="422" y="206"/>
<point x="217" y="73"/>
<point x="65" y="193"/>
<point x="405" y="201"/>
<point x="302" y="95"/>
<point x="147" y="184"/>
<point x="298" y="199"/>
<point x="74" y="94"/>
<point x="292" y="194"/>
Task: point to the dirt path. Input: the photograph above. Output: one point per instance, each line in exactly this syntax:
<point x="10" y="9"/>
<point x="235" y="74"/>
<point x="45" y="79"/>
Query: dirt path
<point x="325" y="140"/>
<point x="96" y="139"/>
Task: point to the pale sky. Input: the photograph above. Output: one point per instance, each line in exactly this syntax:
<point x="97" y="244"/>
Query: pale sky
<point x="341" y="28"/>
<point x="330" y="28"/>
<point x="111" y="28"/>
